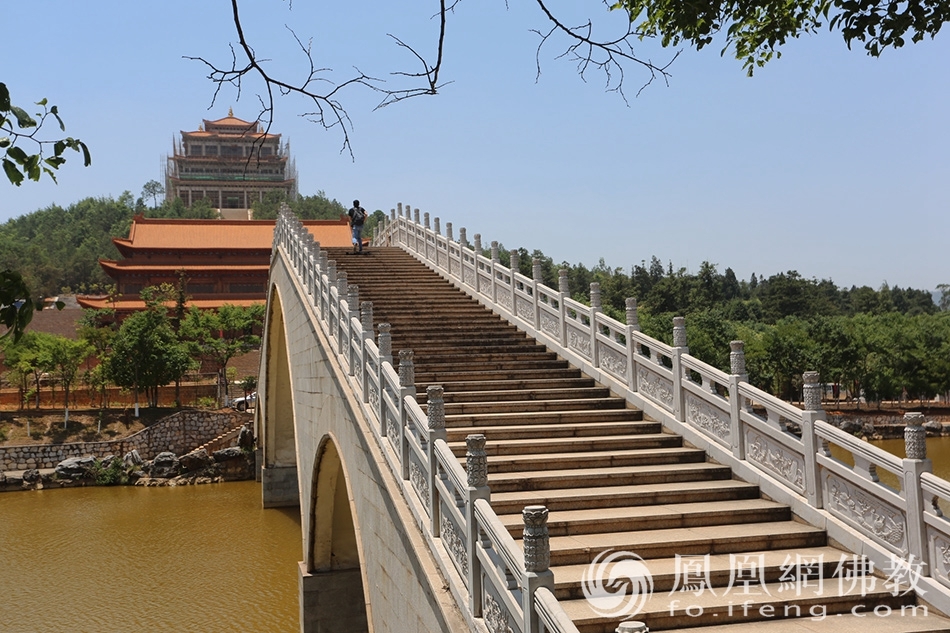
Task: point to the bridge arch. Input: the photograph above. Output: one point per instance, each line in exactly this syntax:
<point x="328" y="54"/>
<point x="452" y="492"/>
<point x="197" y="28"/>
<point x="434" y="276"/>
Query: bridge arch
<point x="279" y="467"/>
<point x="334" y="578"/>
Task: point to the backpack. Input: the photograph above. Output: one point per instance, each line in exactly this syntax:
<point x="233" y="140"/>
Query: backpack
<point x="359" y="215"/>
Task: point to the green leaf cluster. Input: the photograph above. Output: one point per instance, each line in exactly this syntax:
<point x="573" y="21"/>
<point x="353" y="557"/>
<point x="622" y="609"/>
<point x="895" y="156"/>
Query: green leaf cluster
<point x="757" y="29"/>
<point x="17" y="126"/>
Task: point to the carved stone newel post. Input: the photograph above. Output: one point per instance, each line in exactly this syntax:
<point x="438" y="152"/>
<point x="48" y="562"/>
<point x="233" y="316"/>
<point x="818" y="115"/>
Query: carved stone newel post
<point x="476" y="461"/>
<point x="537" y="560"/>
<point x="537" y="545"/>
<point x="366" y="318"/>
<point x="494" y="251"/>
<point x="914" y="465"/>
<point x="476" y="472"/>
<point x="915" y="436"/>
<point x="385" y="342"/>
<point x="407" y="370"/>
<point x="811" y="391"/>
<point x="633" y="318"/>
<point x="448" y="231"/>
<point x="515" y="262"/>
<point x="435" y="418"/>
<point x="563" y="283"/>
<point x="811" y="401"/>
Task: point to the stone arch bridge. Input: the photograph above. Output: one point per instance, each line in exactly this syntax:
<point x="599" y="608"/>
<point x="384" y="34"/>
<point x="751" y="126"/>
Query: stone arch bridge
<point x="474" y="451"/>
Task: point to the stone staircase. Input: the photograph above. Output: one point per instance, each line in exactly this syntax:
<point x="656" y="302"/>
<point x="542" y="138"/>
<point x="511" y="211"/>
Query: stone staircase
<point x="614" y="481"/>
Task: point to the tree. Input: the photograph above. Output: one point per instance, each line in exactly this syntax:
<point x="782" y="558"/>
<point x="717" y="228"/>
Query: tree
<point x="65" y="356"/>
<point x="17" y="127"/>
<point x="220" y="335"/>
<point x="153" y="189"/>
<point x="758" y="28"/>
<point x="146" y="354"/>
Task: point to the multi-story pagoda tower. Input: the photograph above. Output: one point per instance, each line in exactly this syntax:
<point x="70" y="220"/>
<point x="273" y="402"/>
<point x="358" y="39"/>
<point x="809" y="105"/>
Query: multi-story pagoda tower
<point x="231" y="163"/>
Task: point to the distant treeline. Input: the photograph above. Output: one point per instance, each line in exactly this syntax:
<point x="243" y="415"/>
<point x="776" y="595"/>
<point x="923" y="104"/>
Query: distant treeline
<point x="880" y="342"/>
<point x="57" y="250"/>
<point x="876" y="342"/>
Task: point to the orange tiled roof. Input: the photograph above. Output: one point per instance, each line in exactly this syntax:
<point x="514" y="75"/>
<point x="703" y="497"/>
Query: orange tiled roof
<point x="134" y="305"/>
<point x="178" y="234"/>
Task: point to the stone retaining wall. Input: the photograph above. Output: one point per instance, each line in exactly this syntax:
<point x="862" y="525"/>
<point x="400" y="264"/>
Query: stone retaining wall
<point x="178" y="433"/>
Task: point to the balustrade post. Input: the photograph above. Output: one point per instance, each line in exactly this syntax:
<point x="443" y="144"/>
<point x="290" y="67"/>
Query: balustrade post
<point x="322" y="289"/>
<point x="812" y="411"/>
<point x="438" y="233"/>
<point x="435" y="413"/>
<point x="537" y="561"/>
<point x="415" y="214"/>
<point x="463" y="239"/>
<point x="537" y="276"/>
<point x="915" y="464"/>
<point x="515" y="270"/>
<point x="564" y="292"/>
<point x="494" y="273"/>
<point x="385" y="344"/>
<point x="595" y="309"/>
<point x="448" y="231"/>
<point x="366" y="319"/>
<point x="407" y="389"/>
<point x="476" y="469"/>
<point x="436" y="226"/>
<point x="680" y="347"/>
<point x="633" y="325"/>
<point x="425" y="220"/>
<point x="737" y="374"/>
<point x="478" y="253"/>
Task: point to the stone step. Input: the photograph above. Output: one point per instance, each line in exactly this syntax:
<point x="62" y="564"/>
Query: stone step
<point x="594" y="459"/>
<point x="549" y="431"/>
<point x="524" y="406"/>
<point x="519" y="384"/>
<point x="682" y="515"/>
<point x="716" y="571"/>
<point x="449" y="375"/>
<point x="661" y="611"/>
<point x="632" y="496"/>
<point x="907" y="619"/>
<point x="611" y="476"/>
<point x="518" y="395"/>
<point x="429" y="364"/>
<point x="582" y="549"/>
<point x="591" y="444"/>
<point x="543" y="417"/>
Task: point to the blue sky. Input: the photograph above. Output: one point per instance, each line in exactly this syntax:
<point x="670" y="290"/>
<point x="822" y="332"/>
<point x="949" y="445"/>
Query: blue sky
<point x="826" y="161"/>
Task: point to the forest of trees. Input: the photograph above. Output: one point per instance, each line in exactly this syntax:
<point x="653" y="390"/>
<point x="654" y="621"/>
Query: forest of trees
<point x="882" y="342"/>
<point x="876" y="342"/>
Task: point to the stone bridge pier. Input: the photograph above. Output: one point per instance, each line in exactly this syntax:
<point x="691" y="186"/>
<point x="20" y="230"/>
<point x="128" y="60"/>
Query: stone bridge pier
<point x="365" y="565"/>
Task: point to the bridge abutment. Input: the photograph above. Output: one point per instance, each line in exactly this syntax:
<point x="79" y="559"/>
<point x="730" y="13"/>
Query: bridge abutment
<point x="331" y="601"/>
<point x="279" y="486"/>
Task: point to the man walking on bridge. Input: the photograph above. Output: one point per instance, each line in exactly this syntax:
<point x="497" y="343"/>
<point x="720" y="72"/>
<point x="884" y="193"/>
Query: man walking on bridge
<point x="357" y="217"/>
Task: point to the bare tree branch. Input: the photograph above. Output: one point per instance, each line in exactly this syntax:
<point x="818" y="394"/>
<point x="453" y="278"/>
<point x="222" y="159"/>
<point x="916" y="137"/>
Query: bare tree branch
<point x="607" y="56"/>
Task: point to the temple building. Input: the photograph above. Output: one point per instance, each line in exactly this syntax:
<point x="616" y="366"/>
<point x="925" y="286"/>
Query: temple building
<point x="231" y="163"/>
<point x="223" y="261"/>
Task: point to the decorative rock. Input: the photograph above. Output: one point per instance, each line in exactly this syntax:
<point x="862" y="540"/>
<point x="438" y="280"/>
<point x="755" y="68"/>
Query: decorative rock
<point x="74" y="467"/>
<point x="31" y="476"/>
<point x="196" y="460"/>
<point x="132" y="458"/>
<point x="164" y="466"/>
<point x="246" y="438"/>
<point x="228" y="453"/>
<point x="933" y="427"/>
